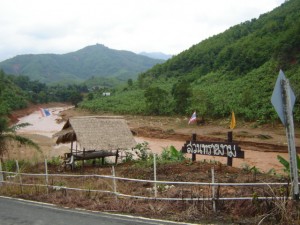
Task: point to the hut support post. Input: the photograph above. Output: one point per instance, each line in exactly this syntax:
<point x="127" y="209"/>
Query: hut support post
<point x="117" y="156"/>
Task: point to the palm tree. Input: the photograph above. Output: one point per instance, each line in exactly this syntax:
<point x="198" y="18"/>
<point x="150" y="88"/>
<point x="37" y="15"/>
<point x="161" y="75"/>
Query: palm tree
<point x="8" y="134"/>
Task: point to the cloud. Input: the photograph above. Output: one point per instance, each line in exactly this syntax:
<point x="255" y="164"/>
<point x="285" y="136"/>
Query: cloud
<point x="169" y="26"/>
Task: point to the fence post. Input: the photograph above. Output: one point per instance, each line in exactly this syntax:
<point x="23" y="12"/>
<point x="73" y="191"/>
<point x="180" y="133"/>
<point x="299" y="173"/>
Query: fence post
<point x="20" y="178"/>
<point x="46" y="174"/>
<point x="213" y="188"/>
<point x="155" y="185"/>
<point x="114" y="182"/>
<point x="1" y="173"/>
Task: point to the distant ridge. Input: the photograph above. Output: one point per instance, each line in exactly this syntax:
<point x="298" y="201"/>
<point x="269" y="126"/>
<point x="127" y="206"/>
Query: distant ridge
<point x="157" y="55"/>
<point x="91" y="61"/>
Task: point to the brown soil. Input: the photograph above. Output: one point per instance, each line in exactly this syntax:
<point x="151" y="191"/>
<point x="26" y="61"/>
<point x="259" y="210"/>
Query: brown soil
<point x="264" y="138"/>
<point x="261" y="143"/>
<point x="258" y="140"/>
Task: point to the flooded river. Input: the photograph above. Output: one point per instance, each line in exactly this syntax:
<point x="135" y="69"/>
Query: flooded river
<point x="47" y="126"/>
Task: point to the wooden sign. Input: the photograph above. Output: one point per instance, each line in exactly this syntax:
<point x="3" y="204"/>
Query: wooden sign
<point x="224" y="149"/>
<point x="227" y="149"/>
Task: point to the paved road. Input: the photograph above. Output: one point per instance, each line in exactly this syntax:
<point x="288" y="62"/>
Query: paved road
<point x="17" y="212"/>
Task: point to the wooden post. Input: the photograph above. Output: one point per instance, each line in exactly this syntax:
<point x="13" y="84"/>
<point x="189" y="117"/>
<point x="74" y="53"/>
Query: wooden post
<point x="213" y="189"/>
<point x="194" y="138"/>
<point x="46" y="175"/>
<point x="114" y="182"/>
<point x="20" y="178"/>
<point x="229" y="139"/>
<point x="154" y="168"/>
<point x="1" y="174"/>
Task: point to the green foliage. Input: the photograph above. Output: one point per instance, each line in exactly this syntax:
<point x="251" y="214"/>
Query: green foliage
<point x="37" y="92"/>
<point x="235" y="70"/>
<point x="11" y="165"/>
<point x="286" y="164"/>
<point x="171" y="154"/>
<point x="8" y="134"/>
<point x="75" y="67"/>
<point x="129" y="156"/>
<point x="142" y="155"/>
<point x="142" y="151"/>
<point x="121" y="102"/>
<point x="157" y="101"/>
<point x="55" y="161"/>
<point x="181" y="92"/>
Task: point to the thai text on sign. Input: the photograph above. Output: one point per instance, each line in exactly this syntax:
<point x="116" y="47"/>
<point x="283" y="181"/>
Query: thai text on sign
<point x="224" y="149"/>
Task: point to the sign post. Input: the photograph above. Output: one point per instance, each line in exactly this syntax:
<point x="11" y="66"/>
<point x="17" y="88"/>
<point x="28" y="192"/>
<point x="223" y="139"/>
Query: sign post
<point x="283" y="100"/>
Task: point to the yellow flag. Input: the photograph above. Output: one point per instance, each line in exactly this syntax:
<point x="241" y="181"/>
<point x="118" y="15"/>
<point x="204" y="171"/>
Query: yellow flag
<point x="232" y="123"/>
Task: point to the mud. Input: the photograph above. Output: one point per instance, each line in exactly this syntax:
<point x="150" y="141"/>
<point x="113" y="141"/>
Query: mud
<point x="260" y="144"/>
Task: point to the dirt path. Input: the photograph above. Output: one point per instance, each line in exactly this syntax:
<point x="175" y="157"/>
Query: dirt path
<point x="261" y="144"/>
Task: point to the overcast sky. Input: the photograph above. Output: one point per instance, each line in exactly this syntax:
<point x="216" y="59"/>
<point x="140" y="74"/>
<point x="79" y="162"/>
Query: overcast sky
<point x="168" y="26"/>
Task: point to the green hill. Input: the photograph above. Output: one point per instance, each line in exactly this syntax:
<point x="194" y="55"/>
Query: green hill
<point x="11" y="96"/>
<point x="235" y="70"/>
<point x="92" y="61"/>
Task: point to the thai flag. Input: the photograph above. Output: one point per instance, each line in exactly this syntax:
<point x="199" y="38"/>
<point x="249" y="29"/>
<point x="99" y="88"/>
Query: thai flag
<point x="45" y="112"/>
<point x="193" y="118"/>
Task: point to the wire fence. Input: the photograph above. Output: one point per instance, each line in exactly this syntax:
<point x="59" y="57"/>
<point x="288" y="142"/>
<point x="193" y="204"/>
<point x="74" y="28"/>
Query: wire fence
<point x="122" y="187"/>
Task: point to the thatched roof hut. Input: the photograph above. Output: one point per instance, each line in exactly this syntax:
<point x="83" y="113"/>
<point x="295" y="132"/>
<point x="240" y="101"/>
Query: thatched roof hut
<point x="97" y="133"/>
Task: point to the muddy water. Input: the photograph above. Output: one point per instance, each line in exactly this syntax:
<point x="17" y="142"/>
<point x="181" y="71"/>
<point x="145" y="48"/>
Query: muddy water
<point x="264" y="161"/>
<point x="47" y="126"/>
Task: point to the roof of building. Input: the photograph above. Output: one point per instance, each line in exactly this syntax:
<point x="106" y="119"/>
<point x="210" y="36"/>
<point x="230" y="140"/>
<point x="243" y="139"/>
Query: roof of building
<point x="97" y="133"/>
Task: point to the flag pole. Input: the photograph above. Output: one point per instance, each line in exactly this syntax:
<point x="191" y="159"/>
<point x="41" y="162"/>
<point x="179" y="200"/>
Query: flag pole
<point x="194" y="135"/>
<point x="230" y="135"/>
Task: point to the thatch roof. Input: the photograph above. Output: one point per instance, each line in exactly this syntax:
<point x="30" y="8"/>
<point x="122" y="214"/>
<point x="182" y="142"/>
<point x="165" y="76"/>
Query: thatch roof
<point x="97" y="133"/>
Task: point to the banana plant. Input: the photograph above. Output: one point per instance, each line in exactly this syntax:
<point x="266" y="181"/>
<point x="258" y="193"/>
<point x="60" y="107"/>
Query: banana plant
<point x="286" y="164"/>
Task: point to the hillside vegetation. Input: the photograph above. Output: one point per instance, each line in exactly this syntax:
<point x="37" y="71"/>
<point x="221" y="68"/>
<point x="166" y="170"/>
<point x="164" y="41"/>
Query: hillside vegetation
<point x="17" y="92"/>
<point x="235" y="70"/>
<point x="97" y="61"/>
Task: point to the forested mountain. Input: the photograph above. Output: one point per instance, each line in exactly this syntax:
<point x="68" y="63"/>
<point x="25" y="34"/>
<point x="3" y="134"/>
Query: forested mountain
<point x="95" y="61"/>
<point x="235" y="70"/>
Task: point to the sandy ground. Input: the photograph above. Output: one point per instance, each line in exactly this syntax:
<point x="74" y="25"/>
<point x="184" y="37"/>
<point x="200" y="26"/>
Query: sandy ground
<point x="42" y="129"/>
<point x="39" y="124"/>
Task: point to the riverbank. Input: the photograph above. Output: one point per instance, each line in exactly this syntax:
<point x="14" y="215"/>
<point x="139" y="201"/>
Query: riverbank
<point x="261" y="144"/>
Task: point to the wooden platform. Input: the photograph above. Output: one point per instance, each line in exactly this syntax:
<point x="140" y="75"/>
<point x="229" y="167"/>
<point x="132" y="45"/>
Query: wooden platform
<point x="70" y="158"/>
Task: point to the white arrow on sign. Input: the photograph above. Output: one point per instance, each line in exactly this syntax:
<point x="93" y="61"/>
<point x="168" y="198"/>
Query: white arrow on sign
<point x="276" y="99"/>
